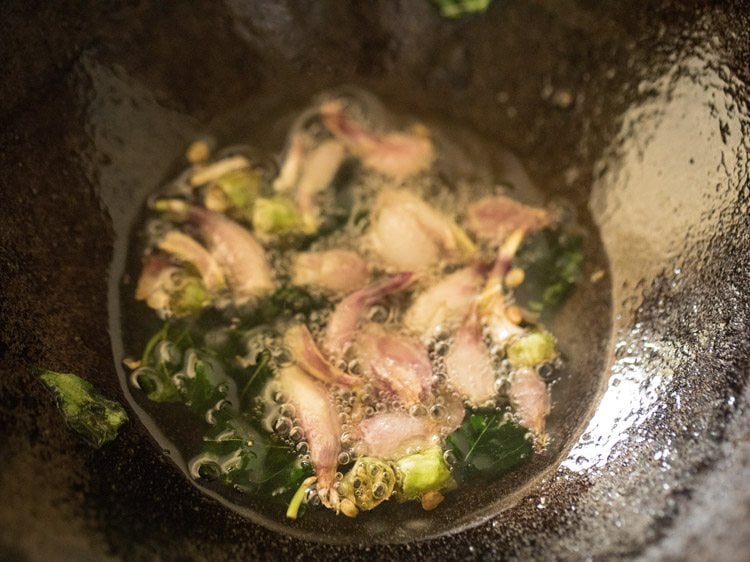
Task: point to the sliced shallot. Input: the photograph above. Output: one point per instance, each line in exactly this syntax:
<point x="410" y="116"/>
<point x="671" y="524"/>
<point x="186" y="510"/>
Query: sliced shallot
<point x="238" y="253"/>
<point x="394" y="154"/>
<point x="391" y="435"/>
<point x="468" y="364"/>
<point x="395" y="363"/>
<point x="308" y="357"/>
<point x="443" y="307"/>
<point x="530" y="398"/>
<point x="319" y="422"/>
<point x="338" y="271"/>
<point x="187" y="249"/>
<point x="407" y="233"/>
<point x="494" y="217"/>
<point x="342" y="324"/>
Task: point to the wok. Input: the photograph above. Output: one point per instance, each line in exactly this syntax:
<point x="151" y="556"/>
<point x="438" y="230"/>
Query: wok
<point x="634" y="113"/>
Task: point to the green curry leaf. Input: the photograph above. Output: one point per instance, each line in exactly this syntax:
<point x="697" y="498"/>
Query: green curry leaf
<point x="245" y="456"/>
<point x="95" y="418"/>
<point x="250" y="390"/>
<point x="552" y="262"/>
<point x="488" y="445"/>
<point x="203" y="383"/>
<point x="173" y="369"/>
<point x="286" y="302"/>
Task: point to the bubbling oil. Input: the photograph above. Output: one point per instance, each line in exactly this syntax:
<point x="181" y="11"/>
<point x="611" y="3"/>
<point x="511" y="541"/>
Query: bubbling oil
<point x="466" y="168"/>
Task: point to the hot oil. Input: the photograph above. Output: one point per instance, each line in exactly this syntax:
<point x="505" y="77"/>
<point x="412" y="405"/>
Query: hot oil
<point x="467" y="167"/>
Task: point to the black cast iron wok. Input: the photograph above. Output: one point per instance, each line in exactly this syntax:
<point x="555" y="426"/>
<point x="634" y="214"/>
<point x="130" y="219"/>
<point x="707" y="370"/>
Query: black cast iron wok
<point x="635" y="112"/>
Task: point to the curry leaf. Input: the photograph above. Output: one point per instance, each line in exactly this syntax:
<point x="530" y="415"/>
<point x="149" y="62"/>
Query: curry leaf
<point x="488" y="445"/>
<point x="159" y="362"/>
<point x="238" y="452"/>
<point x="288" y="301"/>
<point x="157" y="384"/>
<point x="86" y="412"/>
<point x="174" y="370"/>
<point x="552" y="262"/>
<point x="203" y="383"/>
<point x="250" y="393"/>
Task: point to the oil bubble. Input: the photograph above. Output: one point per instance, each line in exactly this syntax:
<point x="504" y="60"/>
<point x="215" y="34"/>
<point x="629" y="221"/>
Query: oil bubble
<point x="437" y="411"/>
<point x="378" y="490"/>
<point x="282" y="426"/>
<point x="168" y="353"/>
<point x="418" y="410"/>
<point x="288" y="410"/>
<point x="449" y="457"/>
<point x="310" y="495"/>
<point x="283" y="357"/>
<point x="296" y="433"/>
<point x="545" y="370"/>
<point x="441" y="348"/>
<point x="378" y="313"/>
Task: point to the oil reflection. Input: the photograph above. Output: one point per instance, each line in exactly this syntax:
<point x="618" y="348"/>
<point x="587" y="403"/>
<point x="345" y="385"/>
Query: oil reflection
<point x="630" y="399"/>
<point x="656" y="196"/>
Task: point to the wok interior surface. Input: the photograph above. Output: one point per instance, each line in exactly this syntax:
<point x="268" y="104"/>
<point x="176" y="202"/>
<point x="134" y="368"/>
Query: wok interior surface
<point x="636" y="114"/>
<point x="582" y="328"/>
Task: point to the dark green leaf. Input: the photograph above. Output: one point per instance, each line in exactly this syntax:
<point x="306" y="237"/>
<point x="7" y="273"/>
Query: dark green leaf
<point x="86" y="412"/>
<point x="488" y="445"/>
<point x="552" y="262"/>
<point x="250" y="459"/>
<point x="157" y="384"/>
<point x="286" y="302"/>
<point x="161" y="359"/>
<point x="202" y="382"/>
<point x="250" y="391"/>
<point x="296" y="300"/>
<point x="173" y="371"/>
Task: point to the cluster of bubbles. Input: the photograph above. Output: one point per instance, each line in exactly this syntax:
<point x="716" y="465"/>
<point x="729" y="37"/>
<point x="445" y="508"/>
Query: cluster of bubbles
<point x="363" y="188"/>
<point x="281" y="419"/>
<point x="209" y="467"/>
<point x="184" y="369"/>
<point x="446" y="192"/>
<point x="354" y="406"/>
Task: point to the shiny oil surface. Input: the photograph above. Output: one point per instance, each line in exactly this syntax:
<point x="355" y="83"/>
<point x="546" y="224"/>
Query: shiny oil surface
<point x="637" y="113"/>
